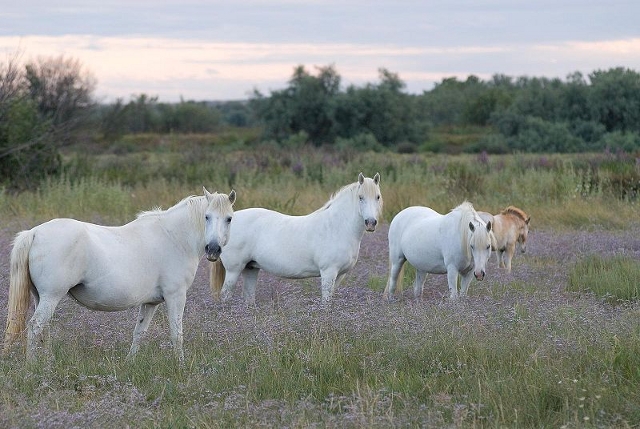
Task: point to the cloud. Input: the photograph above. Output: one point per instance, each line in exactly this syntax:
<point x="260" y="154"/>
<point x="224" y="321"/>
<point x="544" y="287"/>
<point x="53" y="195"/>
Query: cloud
<point x="204" y="69"/>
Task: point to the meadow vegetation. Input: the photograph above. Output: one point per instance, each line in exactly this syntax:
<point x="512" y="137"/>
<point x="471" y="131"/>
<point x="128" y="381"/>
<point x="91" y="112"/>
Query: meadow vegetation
<point x="542" y="347"/>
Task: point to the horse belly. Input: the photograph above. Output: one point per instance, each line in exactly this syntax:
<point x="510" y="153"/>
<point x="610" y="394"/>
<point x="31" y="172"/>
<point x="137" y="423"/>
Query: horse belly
<point x="110" y="297"/>
<point x="428" y="265"/>
<point x="422" y="249"/>
<point x="290" y="268"/>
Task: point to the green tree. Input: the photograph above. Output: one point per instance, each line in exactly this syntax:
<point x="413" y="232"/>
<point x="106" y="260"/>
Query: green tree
<point x="306" y="105"/>
<point x="381" y="110"/>
<point x="614" y="99"/>
<point x="191" y="117"/>
<point x="42" y="107"/>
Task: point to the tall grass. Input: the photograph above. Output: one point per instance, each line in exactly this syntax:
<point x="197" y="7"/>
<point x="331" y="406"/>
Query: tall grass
<point x="614" y="278"/>
<point x="558" y="191"/>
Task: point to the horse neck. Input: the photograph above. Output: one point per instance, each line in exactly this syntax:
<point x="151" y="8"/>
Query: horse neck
<point x="181" y="224"/>
<point x="343" y="210"/>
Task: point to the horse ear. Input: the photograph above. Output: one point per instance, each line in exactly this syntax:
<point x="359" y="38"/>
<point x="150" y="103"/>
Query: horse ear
<point x="361" y="178"/>
<point x="232" y="197"/>
<point x="471" y="227"/>
<point x="376" y="178"/>
<point x="489" y="226"/>
<point x="527" y="221"/>
<point x="206" y="193"/>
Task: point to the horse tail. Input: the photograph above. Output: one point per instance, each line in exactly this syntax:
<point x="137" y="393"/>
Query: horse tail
<point x="216" y="278"/>
<point x="20" y="285"/>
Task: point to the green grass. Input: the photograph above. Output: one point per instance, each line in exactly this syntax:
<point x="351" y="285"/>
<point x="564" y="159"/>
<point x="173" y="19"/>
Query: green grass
<point x="296" y="181"/>
<point x="614" y="278"/>
<point x="489" y="374"/>
<point x="516" y="353"/>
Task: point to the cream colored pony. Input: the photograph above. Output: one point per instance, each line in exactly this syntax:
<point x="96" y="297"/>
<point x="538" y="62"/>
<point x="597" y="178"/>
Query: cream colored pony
<point x="151" y="260"/>
<point x="510" y="226"/>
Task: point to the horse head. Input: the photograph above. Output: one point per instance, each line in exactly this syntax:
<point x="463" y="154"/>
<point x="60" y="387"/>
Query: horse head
<point x="370" y="200"/>
<point x="480" y="244"/>
<point x="217" y="220"/>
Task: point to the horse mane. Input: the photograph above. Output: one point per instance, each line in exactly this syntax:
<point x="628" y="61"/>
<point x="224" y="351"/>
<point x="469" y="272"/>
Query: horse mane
<point x="515" y="211"/>
<point x="196" y="205"/>
<point x="350" y="187"/>
<point x="467" y="214"/>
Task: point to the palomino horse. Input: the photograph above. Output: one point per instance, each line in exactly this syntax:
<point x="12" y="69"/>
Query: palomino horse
<point x="324" y="243"/>
<point x="510" y="226"/>
<point x="458" y="244"/>
<point x="150" y="260"/>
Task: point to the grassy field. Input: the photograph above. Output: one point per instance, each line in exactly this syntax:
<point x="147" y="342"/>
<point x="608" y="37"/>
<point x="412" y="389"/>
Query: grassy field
<point x="540" y="347"/>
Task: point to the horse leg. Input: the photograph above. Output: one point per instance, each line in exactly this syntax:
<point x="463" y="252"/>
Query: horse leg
<point x="501" y="258"/>
<point x="452" y="281"/>
<point x="418" y="285"/>
<point x="465" y="280"/>
<point x="175" y="310"/>
<point x="392" y="281"/>
<point x="250" y="279"/>
<point x="230" y="280"/>
<point x="339" y="280"/>
<point x="38" y="322"/>
<point x="142" y="324"/>
<point x="511" y="248"/>
<point x="328" y="280"/>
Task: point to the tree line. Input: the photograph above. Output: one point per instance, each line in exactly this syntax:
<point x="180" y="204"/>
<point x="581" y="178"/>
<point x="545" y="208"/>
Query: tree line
<point x="49" y="102"/>
<point x="524" y="114"/>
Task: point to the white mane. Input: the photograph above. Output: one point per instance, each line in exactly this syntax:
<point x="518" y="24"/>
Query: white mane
<point x="195" y="204"/>
<point x="467" y="214"/>
<point x="338" y="194"/>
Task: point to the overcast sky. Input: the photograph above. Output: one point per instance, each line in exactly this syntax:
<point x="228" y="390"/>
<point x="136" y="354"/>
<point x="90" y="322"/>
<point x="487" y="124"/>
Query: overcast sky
<point x="223" y="50"/>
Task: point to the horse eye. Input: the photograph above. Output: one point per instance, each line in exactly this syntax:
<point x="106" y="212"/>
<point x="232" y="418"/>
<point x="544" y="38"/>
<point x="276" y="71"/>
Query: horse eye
<point x="361" y="198"/>
<point x="488" y="246"/>
<point x="229" y="219"/>
<point x="472" y="247"/>
<point x="378" y="197"/>
<point x="207" y="217"/>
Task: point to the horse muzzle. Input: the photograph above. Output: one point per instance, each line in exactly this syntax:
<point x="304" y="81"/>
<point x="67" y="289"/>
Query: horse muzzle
<point x="213" y="251"/>
<point x="479" y="275"/>
<point x="370" y="224"/>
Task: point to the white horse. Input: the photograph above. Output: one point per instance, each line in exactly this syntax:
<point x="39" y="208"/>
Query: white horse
<point x="324" y="243"/>
<point x="150" y="260"/>
<point x="458" y="244"/>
